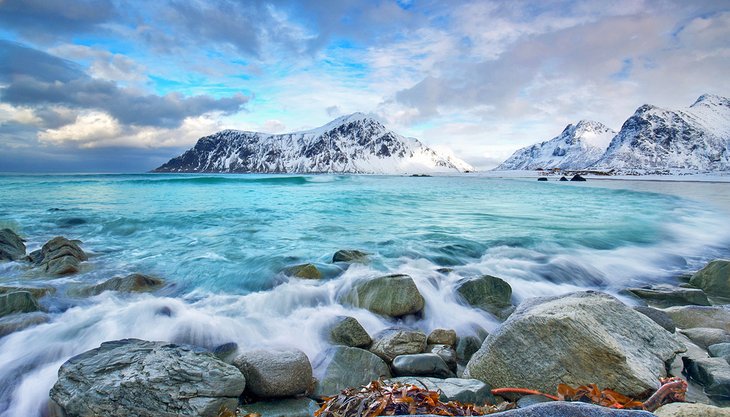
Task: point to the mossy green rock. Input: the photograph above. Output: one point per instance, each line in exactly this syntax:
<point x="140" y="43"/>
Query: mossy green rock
<point x="350" y="255"/>
<point x="714" y="278"/>
<point x="130" y="283"/>
<point x="390" y="295"/>
<point x="37" y="292"/>
<point x="348" y="331"/>
<point x="18" y="302"/>
<point x="306" y="271"/>
<point x="489" y="293"/>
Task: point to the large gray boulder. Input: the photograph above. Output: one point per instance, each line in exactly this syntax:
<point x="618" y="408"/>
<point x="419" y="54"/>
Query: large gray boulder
<point x="489" y="293"/>
<point x="129" y="283"/>
<point x="391" y="295"/>
<point x="576" y="339"/>
<point x="18" y="302"/>
<point x="467" y="391"/>
<point x="422" y="364"/>
<point x="691" y="410"/>
<point x="689" y="317"/>
<point x="570" y="409"/>
<point x="347" y="331"/>
<point x="342" y="367"/>
<point x="12" y="247"/>
<point x="389" y="343"/>
<point x="275" y="373"/>
<point x="146" y="379"/>
<point x="60" y="256"/>
<point x="714" y="278"/>
<point x="669" y="296"/>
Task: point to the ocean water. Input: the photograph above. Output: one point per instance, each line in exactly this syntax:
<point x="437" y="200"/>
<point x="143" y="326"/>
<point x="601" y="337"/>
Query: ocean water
<point x="220" y="242"/>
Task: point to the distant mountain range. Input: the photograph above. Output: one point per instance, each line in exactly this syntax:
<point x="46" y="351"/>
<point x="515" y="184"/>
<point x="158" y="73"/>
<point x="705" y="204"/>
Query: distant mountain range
<point x="349" y="144"/>
<point x="652" y="140"/>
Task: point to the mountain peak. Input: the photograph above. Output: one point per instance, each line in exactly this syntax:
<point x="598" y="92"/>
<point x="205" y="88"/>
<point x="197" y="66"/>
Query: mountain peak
<point x="711" y="100"/>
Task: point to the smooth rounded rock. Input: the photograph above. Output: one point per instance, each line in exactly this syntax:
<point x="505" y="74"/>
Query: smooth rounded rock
<point x="688" y="317"/>
<point x="445" y="352"/>
<point x="146" y="379"/>
<point x="576" y="339"/>
<point x="304" y="271"/>
<point x="390" y="295"/>
<point x="390" y="343"/>
<point x="350" y="255"/>
<point x="714" y="278"/>
<point x="570" y="409"/>
<point x="442" y="337"/>
<point x="489" y="293"/>
<point x="347" y="331"/>
<point x="342" y="367"/>
<point x="720" y="350"/>
<point x="467" y="391"/>
<point x="275" y="373"/>
<point x="422" y="364"/>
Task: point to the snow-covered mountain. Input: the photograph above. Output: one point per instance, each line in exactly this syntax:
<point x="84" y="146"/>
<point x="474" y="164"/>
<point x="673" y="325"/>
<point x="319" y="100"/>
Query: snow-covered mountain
<point x="349" y="144"/>
<point x="578" y="146"/>
<point x="656" y="139"/>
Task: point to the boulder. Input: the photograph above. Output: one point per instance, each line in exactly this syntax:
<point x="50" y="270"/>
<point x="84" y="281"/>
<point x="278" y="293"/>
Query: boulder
<point x="421" y="364"/>
<point x="712" y="373"/>
<point x="442" y="337"/>
<point x="275" y="373"/>
<point x="489" y="293"/>
<point x="445" y="352"/>
<point x="563" y="178"/>
<point x="714" y="278"/>
<point x="577" y="177"/>
<point x="17" y="322"/>
<point x="542" y="179"/>
<point x="18" y="302"/>
<point x="688" y="317"/>
<point x="704" y="337"/>
<point x="350" y="255"/>
<point x="60" y="256"/>
<point x="146" y="379"/>
<point x="467" y="391"/>
<point x="287" y="407"/>
<point x="720" y="350"/>
<point x="130" y="283"/>
<point x="12" y="247"/>
<point x="691" y="410"/>
<point x="669" y="296"/>
<point x="348" y="331"/>
<point x="576" y="339"/>
<point x="305" y="271"/>
<point x="658" y="316"/>
<point x="466" y="348"/>
<point x="342" y="367"/>
<point x="393" y="342"/>
<point x="391" y="295"/>
<point x="570" y="409"/>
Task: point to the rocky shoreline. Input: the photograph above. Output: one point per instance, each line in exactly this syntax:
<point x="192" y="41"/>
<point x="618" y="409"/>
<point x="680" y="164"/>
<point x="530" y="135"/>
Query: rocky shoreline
<point x="579" y="338"/>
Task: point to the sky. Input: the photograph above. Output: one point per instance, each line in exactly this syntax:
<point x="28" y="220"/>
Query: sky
<point x="123" y="86"/>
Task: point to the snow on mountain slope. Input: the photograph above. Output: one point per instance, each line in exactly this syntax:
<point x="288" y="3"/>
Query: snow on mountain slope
<point x="578" y="146"/>
<point x="349" y="144"/>
<point x="693" y="139"/>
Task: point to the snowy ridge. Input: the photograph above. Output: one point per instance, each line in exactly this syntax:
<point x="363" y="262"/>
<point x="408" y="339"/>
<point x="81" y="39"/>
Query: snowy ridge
<point x="349" y="144"/>
<point x="578" y="146"/>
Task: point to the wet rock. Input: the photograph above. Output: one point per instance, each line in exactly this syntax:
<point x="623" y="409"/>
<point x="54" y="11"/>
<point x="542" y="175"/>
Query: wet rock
<point x="350" y="255"/>
<point x="18" y="302"/>
<point x="37" y="292"/>
<point x="391" y="295"/>
<point x="442" y="337"/>
<point x="305" y="271"/>
<point x="146" y="379"/>
<point x="12" y="247"/>
<point x="60" y="256"/>
<point x="529" y="400"/>
<point x="712" y="373"/>
<point x="287" y="407"/>
<point x="421" y="364"/>
<point x="704" y="337"/>
<point x="390" y="343"/>
<point x="570" y="409"/>
<point x="275" y="373"/>
<point x="720" y="350"/>
<point x="71" y="221"/>
<point x="542" y="179"/>
<point x="563" y="179"/>
<point x="575" y="339"/>
<point x="468" y="391"/>
<point x="445" y="352"/>
<point x="577" y="177"/>
<point x="714" y="278"/>
<point x="689" y="317"/>
<point x="691" y="410"/>
<point x="669" y="296"/>
<point x="489" y="293"/>
<point x="341" y="367"/>
<point x="130" y="283"/>
<point x="466" y="348"/>
<point x="16" y="322"/>
<point x="226" y="351"/>
<point x="658" y="316"/>
<point x="348" y="331"/>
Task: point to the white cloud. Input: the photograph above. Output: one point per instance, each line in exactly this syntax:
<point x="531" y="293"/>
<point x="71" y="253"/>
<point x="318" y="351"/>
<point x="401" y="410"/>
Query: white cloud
<point x="88" y="128"/>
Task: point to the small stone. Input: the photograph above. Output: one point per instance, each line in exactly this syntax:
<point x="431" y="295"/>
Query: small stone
<point x="275" y="373"/>
<point x="442" y="337"/>
<point x="467" y="391"/>
<point x="577" y="177"/>
<point x="18" y="302"/>
<point x="421" y="364"/>
<point x="704" y="337"/>
<point x="393" y="342"/>
<point x="691" y="410"/>
<point x="348" y="331"/>
<point x="305" y="271"/>
<point x="445" y="352"/>
<point x="350" y="255"/>
<point x="720" y="350"/>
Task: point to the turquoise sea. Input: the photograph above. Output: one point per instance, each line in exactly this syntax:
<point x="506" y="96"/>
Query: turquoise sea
<point x="221" y="241"/>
